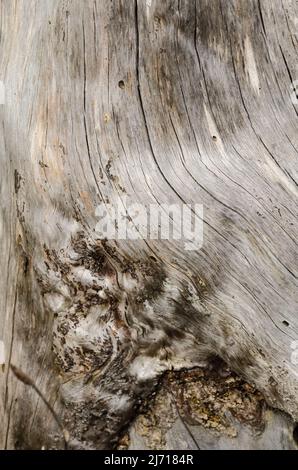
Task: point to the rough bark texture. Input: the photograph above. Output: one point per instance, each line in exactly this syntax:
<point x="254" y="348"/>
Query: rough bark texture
<point x="172" y="101"/>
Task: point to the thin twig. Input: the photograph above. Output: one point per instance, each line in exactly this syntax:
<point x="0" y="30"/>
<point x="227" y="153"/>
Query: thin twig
<point x="25" y="379"/>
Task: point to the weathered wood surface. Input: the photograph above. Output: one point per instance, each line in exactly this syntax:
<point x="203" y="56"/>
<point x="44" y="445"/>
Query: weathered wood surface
<point x="208" y="409"/>
<point x="181" y="101"/>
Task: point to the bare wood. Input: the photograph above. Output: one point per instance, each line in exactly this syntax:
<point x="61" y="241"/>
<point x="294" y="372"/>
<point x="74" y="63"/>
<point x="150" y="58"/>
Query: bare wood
<point x="165" y="102"/>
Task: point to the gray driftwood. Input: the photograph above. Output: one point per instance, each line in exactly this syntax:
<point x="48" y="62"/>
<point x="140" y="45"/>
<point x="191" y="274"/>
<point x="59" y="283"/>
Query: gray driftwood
<point x="181" y="101"/>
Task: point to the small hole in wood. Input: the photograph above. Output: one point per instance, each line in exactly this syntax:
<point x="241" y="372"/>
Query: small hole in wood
<point x="295" y="434"/>
<point x="214" y="138"/>
<point x="121" y="84"/>
<point x="286" y="323"/>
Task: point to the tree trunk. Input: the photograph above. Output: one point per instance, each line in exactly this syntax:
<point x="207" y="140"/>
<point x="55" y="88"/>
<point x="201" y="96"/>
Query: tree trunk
<point x="152" y="102"/>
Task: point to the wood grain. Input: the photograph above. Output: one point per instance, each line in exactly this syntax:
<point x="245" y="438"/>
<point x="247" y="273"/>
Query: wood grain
<point x="175" y="101"/>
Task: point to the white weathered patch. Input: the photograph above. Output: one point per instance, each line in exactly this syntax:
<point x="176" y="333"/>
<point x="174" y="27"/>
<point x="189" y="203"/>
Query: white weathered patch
<point x="145" y="368"/>
<point x="55" y="301"/>
<point x="148" y="7"/>
<point x="119" y="402"/>
<point x="251" y="65"/>
<point x="83" y="275"/>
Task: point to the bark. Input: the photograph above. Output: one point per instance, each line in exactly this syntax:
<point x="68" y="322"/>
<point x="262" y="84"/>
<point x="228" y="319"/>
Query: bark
<point x="162" y="102"/>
